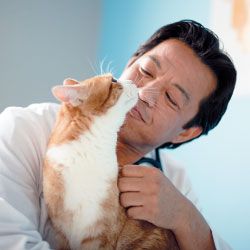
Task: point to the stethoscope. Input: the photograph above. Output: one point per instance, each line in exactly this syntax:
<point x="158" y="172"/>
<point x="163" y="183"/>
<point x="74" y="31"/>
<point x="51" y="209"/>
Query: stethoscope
<point x="154" y="162"/>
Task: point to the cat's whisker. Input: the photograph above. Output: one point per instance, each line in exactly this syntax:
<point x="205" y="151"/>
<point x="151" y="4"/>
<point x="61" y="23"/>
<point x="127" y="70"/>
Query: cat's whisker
<point x="112" y="70"/>
<point x="152" y="88"/>
<point x="92" y="67"/>
<point x="151" y="91"/>
<point x="108" y="67"/>
<point x="101" y="64"/>
<point x="136" y="81"/>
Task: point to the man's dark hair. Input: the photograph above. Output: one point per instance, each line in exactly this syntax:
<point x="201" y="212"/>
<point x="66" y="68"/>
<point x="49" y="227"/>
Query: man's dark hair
<point x="207" y="47"/>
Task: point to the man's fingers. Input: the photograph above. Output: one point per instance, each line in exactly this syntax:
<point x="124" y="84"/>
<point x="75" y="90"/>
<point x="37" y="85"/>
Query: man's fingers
<point x="129" y="199"/>
<point x="127" y="184"/>
<point x="132" y="171"/>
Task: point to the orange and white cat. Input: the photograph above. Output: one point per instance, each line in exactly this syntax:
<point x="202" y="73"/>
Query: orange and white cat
<point x="81" y="170"/>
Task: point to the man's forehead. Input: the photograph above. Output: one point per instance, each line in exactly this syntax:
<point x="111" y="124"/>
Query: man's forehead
<point x="167" y="51"/>
<point x="177" y="54"/>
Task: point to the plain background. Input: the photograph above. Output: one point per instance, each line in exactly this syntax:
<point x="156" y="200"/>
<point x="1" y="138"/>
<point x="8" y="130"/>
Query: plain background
<point x="43" y="42"/>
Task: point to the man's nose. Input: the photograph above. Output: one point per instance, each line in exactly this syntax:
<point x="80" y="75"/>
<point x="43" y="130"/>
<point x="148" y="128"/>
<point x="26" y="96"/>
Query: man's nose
<point x="149" y="94"/>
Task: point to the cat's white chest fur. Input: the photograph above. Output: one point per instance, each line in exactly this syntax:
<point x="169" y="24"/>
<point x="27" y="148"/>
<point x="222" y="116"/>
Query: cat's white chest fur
<point x="87" y="171"/>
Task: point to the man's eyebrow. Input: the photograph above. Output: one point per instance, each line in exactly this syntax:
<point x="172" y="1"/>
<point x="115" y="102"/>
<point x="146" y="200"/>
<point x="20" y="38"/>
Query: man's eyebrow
<point x="183" y="91"/>
<point x="155" y="60"/>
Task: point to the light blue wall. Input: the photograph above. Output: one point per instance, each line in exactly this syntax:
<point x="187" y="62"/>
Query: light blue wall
<point x="218" y="164"/>
<point x="126" y="24"/>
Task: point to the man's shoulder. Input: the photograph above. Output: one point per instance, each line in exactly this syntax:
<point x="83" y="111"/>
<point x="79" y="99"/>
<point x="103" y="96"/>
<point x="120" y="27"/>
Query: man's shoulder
<point x="35" y="109"/>
<point x="44" y="107"/>
<point x="24" y="134"/>
<point x="175" y="171"/>
<point x="31" y="124"/>
<point x="178" y="175"/>
<point x="38" y="113"/>
<point x="170" y="165"/>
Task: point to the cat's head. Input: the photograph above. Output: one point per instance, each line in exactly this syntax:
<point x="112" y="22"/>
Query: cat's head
<point x="96" y="95"/>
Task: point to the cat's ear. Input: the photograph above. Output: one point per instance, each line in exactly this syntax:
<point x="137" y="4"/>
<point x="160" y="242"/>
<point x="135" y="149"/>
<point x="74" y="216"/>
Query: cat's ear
<point x="73" y="94"/>
<point x="70" y="81"/>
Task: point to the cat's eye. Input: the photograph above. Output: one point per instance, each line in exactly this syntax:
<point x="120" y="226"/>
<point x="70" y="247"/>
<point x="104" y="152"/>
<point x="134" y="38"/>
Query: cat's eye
<point x="114" y="80"/>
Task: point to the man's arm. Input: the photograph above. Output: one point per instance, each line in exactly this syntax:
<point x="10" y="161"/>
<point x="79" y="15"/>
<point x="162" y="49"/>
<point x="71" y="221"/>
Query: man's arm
<point x="151" y="196"/>
<point x="17" y="231"/>
<point x="20" y="180"/>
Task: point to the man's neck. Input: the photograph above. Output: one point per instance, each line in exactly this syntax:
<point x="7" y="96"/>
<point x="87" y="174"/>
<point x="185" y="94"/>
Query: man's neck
<point x="127" y="154"/>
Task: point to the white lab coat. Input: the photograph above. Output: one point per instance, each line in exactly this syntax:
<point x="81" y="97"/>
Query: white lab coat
<point x="24" y="134"/>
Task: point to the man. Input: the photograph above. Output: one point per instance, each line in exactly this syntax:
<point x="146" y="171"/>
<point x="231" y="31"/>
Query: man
<point x="186" y="82"/>
<point x="186" y="85"/>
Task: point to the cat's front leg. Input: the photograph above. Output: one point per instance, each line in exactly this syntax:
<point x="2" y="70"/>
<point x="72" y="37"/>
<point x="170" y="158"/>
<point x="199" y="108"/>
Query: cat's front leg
<point x="62" y="242"/>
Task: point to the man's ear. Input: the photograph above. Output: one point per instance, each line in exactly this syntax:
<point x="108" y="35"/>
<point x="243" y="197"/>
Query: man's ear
<point x="188" y="134"/>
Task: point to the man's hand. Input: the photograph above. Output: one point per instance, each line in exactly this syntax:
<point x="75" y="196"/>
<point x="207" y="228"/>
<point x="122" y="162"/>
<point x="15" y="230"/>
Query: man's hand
<point x="149" y="195"/>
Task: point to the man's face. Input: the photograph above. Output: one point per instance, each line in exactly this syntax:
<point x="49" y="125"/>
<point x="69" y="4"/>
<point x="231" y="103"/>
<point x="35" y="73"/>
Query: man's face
<point x="173" y="81"/>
